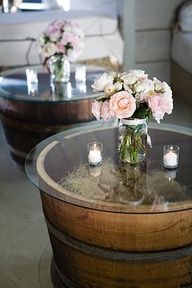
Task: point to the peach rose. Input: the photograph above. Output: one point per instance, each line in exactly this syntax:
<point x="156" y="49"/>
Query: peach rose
<point x="122" y="105"/>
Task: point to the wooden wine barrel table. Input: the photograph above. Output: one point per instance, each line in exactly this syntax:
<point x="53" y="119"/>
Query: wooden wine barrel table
<point x="29" y="118"/>
<point x="115" y="242"/>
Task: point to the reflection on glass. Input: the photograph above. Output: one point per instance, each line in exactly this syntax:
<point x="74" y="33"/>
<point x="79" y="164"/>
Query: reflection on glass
<point x="8" y="6"/>
<point x="125" y="184"/>
<point x="171" y="174"/>
<point x="61" y="90"/>
<point x="81" y="86"/>
<point x="95" y="171"/>
<point x="80" y="73"/>
<point x="32" y="81"/>
<point x="65" y="4"/>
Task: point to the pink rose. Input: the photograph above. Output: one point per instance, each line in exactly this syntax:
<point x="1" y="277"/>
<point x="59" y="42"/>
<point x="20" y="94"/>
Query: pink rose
<point x="53" y="32"/>
<point x="61" y="48"/>
<point x="96" y="109"/>
<point x="67" y="38"/>
<point x="159" y="105"/>
<point x="122" y="105"/>
<point x="105" y="112"/>
<point x="58" y="24"/>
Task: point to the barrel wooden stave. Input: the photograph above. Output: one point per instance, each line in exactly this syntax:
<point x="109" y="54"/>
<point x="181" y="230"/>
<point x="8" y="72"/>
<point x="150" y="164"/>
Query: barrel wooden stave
<point x="28" y="123"/>
<point x="84" y="268"/>
<point x="120" y="231"/>
<point x="49" y="113"/>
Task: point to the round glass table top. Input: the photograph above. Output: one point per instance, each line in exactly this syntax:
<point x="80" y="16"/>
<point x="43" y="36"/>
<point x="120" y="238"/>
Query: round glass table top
<point x="14" y="85"/>
<point x="59" y="166"/>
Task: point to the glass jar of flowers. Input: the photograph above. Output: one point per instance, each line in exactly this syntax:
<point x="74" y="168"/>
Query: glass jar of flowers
<point x="61" y="43"/>
<point x="132" y="98"/>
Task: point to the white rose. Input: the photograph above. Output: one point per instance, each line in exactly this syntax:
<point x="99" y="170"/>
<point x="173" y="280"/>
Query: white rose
<point x="158" y="85"/>
<point x="127" y="88"/>
<point x="49" y="49"/>
<point x="167" y="90"/>
<point x="145" y="85"/>
<point x="101" y="81"/>
<point x="133" y="76"/>
<point x="118" y="86"/>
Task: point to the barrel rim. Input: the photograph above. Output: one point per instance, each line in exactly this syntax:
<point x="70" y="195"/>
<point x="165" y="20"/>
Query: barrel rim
<point x="59" y="192"/>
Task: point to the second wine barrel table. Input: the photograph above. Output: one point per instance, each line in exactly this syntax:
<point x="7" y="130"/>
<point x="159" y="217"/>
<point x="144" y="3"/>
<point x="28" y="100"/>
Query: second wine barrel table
<point x="29" y="118"/>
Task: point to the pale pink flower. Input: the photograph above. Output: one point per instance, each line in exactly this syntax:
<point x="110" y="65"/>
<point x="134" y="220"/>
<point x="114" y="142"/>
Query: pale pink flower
<point x="122" y="105"/>
<point x="58" y="24"/>
<point x="96" y="109"/>
<point x="61" y="48"/>
<point x="101" y="81"/>
<point x="105" y="112"/>
<point x="67" y="37"/>
<point x="53" y="32"/>
<point x="71" y="26"/>
<point x="159" y="105"/>
<point x="144" y="96"/>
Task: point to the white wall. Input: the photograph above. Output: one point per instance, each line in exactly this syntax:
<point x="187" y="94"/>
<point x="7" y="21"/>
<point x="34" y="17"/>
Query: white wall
<point x="147" y="35"/>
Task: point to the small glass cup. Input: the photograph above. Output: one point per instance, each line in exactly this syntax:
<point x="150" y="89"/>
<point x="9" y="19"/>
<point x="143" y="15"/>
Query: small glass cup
<point x="80" y="73"/>
<point x="94" y="153"/>
<point x="95" y="171"/>
<point x="32" y="81"/>
<point x="170" y="156"/>
<point x="171" y="174"/>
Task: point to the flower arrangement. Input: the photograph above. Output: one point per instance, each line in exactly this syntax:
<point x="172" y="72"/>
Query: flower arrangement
<point x="128" y="96"/>
<point x="63" y="38"/>
<point x="131" y="94"/>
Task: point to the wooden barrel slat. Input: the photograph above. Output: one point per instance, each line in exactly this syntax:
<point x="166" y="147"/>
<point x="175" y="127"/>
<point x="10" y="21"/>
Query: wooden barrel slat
<point x="35" y="121"/>
<point x="105" y="268"/>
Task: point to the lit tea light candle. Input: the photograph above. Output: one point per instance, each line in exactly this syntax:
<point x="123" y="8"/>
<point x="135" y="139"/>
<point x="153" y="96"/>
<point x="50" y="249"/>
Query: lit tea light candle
<point x="32" y="81"/>
<point x="94" y="153"/>
<point x="80" y="73"/>
<point x="170" y="156"/>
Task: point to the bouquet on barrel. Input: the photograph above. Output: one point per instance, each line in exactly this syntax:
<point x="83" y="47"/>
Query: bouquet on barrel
<point x="61" y="43"/>
<point x="132" y="98"/>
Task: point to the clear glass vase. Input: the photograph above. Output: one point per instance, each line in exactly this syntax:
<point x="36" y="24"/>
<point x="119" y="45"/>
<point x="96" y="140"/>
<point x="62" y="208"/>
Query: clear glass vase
<point x="59" y="69"/>
<point x="132" y="140"/>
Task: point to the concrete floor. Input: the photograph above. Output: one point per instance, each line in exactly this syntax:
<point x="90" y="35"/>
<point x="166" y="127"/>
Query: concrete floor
<point x="25" y="252"/>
